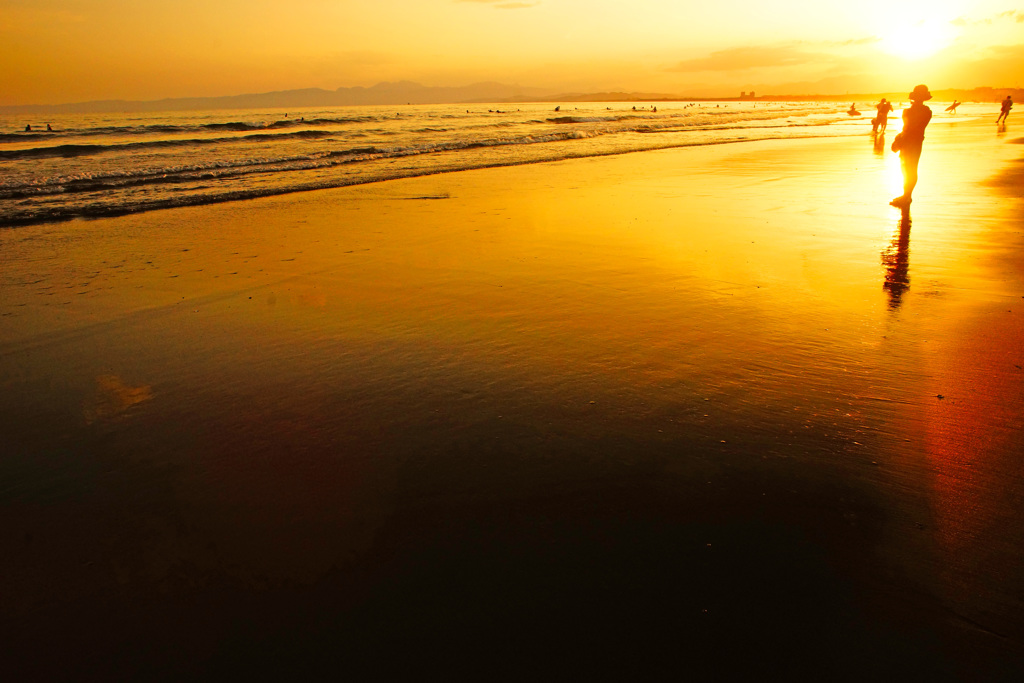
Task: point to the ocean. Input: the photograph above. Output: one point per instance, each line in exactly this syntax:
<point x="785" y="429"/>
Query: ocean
<point x="98" y="165"/>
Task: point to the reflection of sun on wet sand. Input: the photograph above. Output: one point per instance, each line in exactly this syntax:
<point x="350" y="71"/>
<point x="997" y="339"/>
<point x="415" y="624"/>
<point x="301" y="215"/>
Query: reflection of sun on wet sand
<point x="113" y="398"/>
<point x="670" y="403"/>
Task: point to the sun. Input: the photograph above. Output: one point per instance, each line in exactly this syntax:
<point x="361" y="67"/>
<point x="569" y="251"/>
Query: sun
<point x="917" y="41"/>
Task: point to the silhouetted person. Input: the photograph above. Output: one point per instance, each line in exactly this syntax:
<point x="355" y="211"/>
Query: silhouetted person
<point x="952" y="108"/>
<point x="1004" y="111"/>
<point x="853" y="109"/>
<point x="28" y="128"/>
<point x="49" y="128"/>
<point x="882" y="118"/>
<point x="909" y="142"/>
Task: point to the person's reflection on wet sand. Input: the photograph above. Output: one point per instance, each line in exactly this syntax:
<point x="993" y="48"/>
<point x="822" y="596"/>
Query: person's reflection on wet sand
<point x="879" y="146"/>
<point x="896" y="259"/>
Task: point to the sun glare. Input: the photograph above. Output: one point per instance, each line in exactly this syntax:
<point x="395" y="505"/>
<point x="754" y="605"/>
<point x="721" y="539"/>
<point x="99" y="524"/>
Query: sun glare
<point x="917" y="41"/>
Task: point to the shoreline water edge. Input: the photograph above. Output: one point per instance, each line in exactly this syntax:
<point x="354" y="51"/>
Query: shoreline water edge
<point x="97" y="165"/>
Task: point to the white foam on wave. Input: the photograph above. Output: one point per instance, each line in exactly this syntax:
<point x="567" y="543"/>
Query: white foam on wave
<point x="120" y="182"/>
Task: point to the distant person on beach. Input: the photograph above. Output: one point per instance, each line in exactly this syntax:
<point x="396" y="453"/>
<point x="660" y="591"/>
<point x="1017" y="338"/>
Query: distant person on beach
<point x="882" y="118"/>
<point x="909" y="142"/>
<point x="952" y="108"/>
<point x="1004" y="111"/>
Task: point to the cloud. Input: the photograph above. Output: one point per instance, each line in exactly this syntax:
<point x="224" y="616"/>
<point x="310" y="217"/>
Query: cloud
<point x="1009" y="15"/>
<point x="870" y="40"/>
<point x="743" y="58"/>
<point x="502" y="4"/>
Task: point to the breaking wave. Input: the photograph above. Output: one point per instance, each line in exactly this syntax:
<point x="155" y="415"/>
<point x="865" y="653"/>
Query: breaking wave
<point x="139" y="164"/>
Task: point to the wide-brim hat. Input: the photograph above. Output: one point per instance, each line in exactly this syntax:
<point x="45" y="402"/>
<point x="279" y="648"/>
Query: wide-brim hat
<point x="920" y="93"/>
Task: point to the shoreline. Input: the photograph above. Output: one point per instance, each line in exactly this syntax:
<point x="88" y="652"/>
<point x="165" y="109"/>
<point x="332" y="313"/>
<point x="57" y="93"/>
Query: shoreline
<point x="243" y="196"/>
<point x="110" y="182"/>
<point x="639" y="412"/>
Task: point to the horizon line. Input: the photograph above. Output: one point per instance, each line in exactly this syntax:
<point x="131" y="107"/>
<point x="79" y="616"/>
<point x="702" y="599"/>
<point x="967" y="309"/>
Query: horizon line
<point x="595" y="96"/>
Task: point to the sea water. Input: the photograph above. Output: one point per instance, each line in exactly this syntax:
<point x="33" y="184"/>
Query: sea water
<point x="93" y="165"/>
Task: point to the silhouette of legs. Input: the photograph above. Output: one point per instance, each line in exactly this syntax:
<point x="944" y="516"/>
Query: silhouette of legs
<point x="909" y="158"/>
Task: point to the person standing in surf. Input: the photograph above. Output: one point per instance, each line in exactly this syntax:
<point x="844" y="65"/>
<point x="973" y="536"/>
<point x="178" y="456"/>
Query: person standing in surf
<point x="882" y="118"/>
<point x="1004" y="110"/>
<point x="910" y="141"/>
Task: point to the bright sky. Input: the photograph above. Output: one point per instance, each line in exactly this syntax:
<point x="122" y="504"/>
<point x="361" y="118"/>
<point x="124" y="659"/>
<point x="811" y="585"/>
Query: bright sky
<point x="72" y="50"/>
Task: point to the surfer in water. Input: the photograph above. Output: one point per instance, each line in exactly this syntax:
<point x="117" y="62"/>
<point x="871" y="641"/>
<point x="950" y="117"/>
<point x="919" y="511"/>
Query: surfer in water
<point x="952" y="108"/>
<point x="853" y="109"/>
<point x="909" y="142"/>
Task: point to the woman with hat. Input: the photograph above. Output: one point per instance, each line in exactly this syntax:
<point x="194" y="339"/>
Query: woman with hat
<point x="915" y="120"/>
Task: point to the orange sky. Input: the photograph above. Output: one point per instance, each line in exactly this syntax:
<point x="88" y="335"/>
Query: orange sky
<point x="57" y="51"/>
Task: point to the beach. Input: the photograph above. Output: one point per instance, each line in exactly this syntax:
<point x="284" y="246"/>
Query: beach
<point x="716" y="411"/>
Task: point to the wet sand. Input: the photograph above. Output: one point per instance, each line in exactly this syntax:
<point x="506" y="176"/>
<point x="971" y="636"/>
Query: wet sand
<point x="705" y="412"/>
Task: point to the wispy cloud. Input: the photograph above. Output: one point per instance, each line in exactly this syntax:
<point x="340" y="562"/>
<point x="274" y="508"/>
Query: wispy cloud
<point x="1009" y="15"/>
<point x="870" y="40"/>
<point x="744" y="58"/>
<point x="503" y="4"/>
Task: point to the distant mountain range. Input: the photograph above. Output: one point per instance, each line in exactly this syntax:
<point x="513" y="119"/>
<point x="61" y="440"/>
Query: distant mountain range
<point x="402" y="92"/>
<point x="407" y="92"/>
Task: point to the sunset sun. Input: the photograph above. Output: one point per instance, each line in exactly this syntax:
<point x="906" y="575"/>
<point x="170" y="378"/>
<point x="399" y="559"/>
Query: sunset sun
<point x="917" y="41"/>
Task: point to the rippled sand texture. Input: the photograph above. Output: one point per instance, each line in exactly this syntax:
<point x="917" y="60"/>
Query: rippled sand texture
<point x="713" y="410"/>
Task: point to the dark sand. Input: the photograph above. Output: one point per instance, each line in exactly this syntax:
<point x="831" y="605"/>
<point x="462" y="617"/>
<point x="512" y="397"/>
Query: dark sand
<point x="705" y="413"/>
